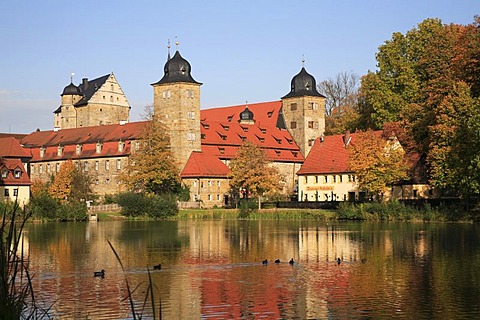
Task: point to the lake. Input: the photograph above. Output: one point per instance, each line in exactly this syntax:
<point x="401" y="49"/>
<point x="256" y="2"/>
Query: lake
<point x="213" y="269"/>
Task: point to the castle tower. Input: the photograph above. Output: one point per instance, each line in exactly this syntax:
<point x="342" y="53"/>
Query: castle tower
<point x="176" y="103"/>
<point x="65" y="117"/>
<point x="304" y="111"/>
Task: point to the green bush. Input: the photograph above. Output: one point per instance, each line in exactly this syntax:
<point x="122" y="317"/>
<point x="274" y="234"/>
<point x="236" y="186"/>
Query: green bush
<point x="155" y="206"/>
<point x="74" y="211"/>
<point x="43" y="206"/>
<point x="162" y="206"/>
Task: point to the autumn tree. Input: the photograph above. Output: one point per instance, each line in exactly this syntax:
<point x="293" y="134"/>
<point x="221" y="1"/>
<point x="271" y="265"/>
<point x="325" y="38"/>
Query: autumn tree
<point x="152" y="167"/>
<point x="61" y="188"/>
<point x="377" y="162"/>
<point x="252" y="173"/>
<point x="341" y="93"/>
<point x="428" y="80"/>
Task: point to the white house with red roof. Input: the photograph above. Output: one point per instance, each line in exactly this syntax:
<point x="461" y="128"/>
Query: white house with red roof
<point x="14" y="180"/>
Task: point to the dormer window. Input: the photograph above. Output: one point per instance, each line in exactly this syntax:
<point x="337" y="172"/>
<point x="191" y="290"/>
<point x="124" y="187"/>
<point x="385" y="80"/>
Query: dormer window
<point x="261" y="139"/>
<point x="205" y="126"/>
<point x="78" y="150"/>
<point x="229" y="118"/>
<point x="42" y="152"/>
<point x="98" y="147"/>
<point x="221" y="150"/>
<point x="202" y="136"/>
<point x="17" y="173"/>
<point x="269" y="114"/>
<point x="295" y="154"/>
<point x="279" y="141"/>
<point x="4" y="172"/>
<point x="226" y="128"/>
<point x="277" y="152"/>
<point x="263" y="130"/>
<point x="245" y="129"/>
<point x="59" y="150"/>
<point x="121" y="145"/>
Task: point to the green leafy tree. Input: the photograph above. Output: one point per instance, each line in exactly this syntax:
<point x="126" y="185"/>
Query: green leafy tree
<point x="152" y="168"/>
<point x="252" y="174"/>
<point x="377" y="162"/>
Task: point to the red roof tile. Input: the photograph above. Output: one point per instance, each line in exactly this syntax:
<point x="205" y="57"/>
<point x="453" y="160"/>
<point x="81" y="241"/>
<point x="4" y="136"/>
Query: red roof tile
<point x="11" y="148"/>
<point x="329" y="156"/>
<point x="204" y="165"/>
<point x="264" y="113"/>
<point x="12" y="165"/>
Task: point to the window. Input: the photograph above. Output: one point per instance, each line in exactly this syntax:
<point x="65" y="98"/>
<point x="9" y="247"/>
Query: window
<point x="306" y="179"/>
<point x="209" y="183"/>
<point x="85" y="166"/>
<point x="111" y="87"/>
<point x="32" y="169"/>
<point x="111" y="98"/>
<point x="40" y="168"/>
<point x="59" y="151"/>
<point x="15" y="192"/>
<point x="313" y="124"/>
<point x="4" y="172"/>
<point x="415" y="193"/>
<point x="312" y="106"/>
<point x="107" y="165"/>
<point x="96" y="165"/>
<point x="340" y="178"/>
<point x="311" y="142"/>
<point x="6" y="192"/>
<point x="202" y="136"/>
<point x="57" y="167"/>
<point x="121" y="144"/>
<point x="221" y="150"/>
<point x="191" y="115"/>
<point x="293" y="106"/>
<point x="190" y="94"/>
<point x="98" y="147"/>
<point x="269" y="114"/>
<point x="194" y="183"/>
<point x="107" y="181"/>
<point x="293" y="125"/>
<point x="191" y="136"/>
<point x="96" y="181"/>
<point x="229" y="118"/>
<point x="42" y="152"/>
<point x="166" y="94"/>
<point x="218" y="197"/>
<point x="316" y="179"/>
<point x="218" y="183"/>
<point x="78" y="149"/>
<point x="334" y="178"/>
<point x="17" y="173"/>
<point x="210" y="197"/>
<point x="119" y="164"/>
<point x="48" y="168"/>
<point x="325" y="179"/>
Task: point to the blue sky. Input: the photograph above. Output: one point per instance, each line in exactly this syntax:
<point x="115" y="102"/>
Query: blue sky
<point x="239" y="50"/>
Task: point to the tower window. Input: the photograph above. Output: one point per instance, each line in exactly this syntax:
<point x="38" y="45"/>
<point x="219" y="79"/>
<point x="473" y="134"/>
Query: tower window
<point x="293" y="125"/>
<point x="191" y="115"/>
<point x="190" y="136"/>
<point x="166" y="94"/>
<point x="111" y="98"/>
<point x="190" y="94"/>
<point x="293" y="106"/>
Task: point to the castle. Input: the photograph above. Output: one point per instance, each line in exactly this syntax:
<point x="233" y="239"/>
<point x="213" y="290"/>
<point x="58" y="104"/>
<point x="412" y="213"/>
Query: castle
<point x="91" y="128"/>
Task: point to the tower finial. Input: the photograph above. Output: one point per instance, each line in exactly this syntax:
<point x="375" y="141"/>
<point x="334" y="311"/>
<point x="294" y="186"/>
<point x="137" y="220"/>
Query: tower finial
<point x="176" y="43"/>
<point x="303" y="60"/>
<point x="168" y="48"/>
<point x="71" y="77"/>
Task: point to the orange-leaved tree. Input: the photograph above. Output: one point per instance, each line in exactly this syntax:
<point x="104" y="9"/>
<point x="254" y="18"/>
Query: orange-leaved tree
<point x="377" y="161"/>
<point x="61" y="188"/>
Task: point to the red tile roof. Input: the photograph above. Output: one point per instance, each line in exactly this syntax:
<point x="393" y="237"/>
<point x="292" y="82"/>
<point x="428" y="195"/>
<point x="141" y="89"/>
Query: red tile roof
<point x="329" y="155"/>
<point x="12" y="165"/>
<point x="201" y="164"/>
<point x="11" y="148"/>
<point x="264" y="113"/>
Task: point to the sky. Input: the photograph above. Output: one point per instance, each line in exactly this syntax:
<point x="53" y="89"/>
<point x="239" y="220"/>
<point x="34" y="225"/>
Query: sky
<point x="240" y="50"/>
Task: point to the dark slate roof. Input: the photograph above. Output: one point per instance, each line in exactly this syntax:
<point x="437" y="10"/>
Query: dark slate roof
<point x="246" y="115"/>
<point x="71" y="89"/>
<point x="89" y="87"/>
<point x="303" y="84"/>
<point x="177" y="69"/>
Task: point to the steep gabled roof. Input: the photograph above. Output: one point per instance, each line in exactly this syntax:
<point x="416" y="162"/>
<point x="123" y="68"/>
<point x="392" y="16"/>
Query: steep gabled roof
<point x="202" y="164"/>
<point x="12" y="165"/>
<point x="329" y="156"/>
<point x="11" y="148"/>
<point x="88" y="88"/>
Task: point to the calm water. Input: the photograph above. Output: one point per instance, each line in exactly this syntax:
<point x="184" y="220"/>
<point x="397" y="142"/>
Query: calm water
<point x="213" y="270"/>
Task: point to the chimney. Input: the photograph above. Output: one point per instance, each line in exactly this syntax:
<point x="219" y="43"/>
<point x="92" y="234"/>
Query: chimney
<point x="85" y="84"/>
<point x="346" y="138"/>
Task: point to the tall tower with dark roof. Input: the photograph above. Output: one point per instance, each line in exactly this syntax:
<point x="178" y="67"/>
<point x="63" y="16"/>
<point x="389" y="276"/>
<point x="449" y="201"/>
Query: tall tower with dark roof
<point x="304" y="110"/>
<point x="176" y="102"/>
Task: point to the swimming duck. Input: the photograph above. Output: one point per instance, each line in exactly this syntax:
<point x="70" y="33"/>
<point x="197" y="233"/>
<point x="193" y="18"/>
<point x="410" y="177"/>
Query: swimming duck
<point x="99" y="273"/>
<point x="265" y="262"/>
<point x="339" y="260"/>
<point x="291" y="262"/>
<point x="277" y="261"/>
<point x="157" y="267"/>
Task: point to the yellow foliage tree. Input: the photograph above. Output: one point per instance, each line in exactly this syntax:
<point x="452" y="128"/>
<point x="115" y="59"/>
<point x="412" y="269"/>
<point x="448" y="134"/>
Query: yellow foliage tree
<point x="251" y="172"/>
<point x="61" y="188"/>
<point x="377" y="162"/>
<point x="152" y="168"/>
